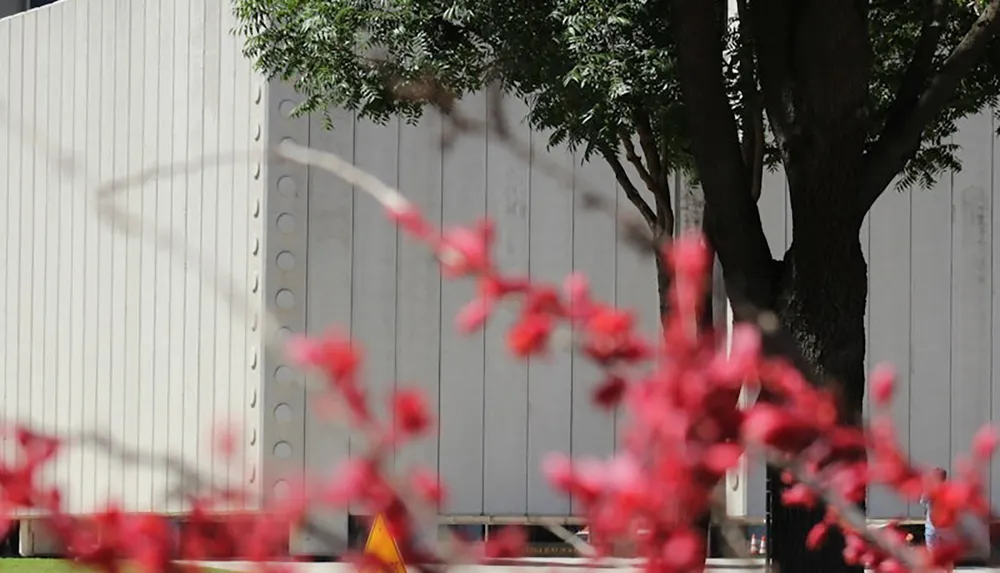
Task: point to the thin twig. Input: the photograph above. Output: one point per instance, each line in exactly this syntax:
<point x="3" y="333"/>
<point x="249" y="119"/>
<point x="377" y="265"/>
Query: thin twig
<point x="579" y="545"/>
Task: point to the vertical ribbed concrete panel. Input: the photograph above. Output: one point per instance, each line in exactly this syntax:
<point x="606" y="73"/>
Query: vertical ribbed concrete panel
<point x="497" y="417"/>
<point x="130" y="315"/>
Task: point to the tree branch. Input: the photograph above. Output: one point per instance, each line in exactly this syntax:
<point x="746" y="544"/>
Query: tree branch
<point x="920" y="66"/>
<point x="630" y="189"/>
<point x="658" y="171"/>
<point x="732" y="220"/>
<point x="636" y="161"/>
<point x="753" y="120"/>
<point x="771" y="22"/>
<point x="900" y="141"/>
<point x="649" y="148"/>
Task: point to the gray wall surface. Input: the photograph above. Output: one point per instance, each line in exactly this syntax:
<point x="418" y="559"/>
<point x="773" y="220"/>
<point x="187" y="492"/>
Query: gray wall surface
<point x="114" y="333"/>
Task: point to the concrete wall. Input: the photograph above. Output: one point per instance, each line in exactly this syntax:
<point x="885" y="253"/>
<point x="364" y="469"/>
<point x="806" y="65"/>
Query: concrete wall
<point x="108" y="332"/>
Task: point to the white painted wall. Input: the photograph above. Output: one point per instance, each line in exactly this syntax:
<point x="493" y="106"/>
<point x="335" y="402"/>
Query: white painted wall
<point x="105" y="332"/>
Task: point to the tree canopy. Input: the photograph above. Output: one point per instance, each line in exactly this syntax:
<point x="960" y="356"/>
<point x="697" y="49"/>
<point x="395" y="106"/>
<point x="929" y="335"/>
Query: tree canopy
<point x="596" y="70"/>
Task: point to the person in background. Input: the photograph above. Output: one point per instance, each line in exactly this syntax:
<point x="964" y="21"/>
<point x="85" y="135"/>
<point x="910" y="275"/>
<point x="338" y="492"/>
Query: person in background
<point x="931" y="533"/>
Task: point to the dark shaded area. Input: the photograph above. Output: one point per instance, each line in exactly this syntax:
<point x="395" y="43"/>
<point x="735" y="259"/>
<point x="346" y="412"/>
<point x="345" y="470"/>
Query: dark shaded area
<point x="9" y="544"/>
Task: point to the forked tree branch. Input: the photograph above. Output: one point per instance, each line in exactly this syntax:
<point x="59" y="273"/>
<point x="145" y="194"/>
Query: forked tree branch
<point x="647" y="140"/>
<point x="900" y="142"/>
<point x="732" y="219"/>
<point x="631" y="191"/>
<point x="636" y="161"/>
<point x="658" y="171"/>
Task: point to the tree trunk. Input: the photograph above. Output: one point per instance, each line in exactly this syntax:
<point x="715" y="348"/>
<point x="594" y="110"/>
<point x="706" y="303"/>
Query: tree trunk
<point x="821" y="301"/>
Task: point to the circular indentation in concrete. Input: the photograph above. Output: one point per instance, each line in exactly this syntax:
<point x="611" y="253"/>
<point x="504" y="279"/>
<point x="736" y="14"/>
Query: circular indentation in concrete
<point x="284" y="375"/>
<point x="252" y="473"/>
<point x="282" y="334"/>
<point x="255" y="246"/>
<point x="259" y="95"/>
<point x="253" y="398"/>
<point x="287" y="186"/>
<point x="253" y="359"/>
<point x="283" y="413"/>
<point x="283" y="450"/>
<point x="286" y="107"/>
<point x="286" y="223"/>
<point x="281" y="488"/>
<point x="287" y="140"/>
<point x="253" y="322"/>
<point x="285" y="299"/>
<point x="256" y="171"/>
<point x="256" y="209"/>
<point x="256" y="132"/>
<point x="255" y="285"/>
<point x="253" y="437"/>
<point x="285" y="260"/>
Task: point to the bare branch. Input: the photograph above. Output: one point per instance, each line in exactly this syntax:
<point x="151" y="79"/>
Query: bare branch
<point x="636" y="161"/>
<point x="900" y="142"/>
<point x="630" y="190"/>
<point x="580" y="546"/>
<point x="649" y="148"/>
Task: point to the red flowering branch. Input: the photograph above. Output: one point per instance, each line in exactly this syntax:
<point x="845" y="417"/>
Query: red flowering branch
<point x="684" y="432"/>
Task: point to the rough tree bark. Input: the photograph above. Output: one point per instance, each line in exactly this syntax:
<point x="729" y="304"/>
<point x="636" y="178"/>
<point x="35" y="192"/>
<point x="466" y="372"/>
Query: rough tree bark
<point x="821" y="303"/>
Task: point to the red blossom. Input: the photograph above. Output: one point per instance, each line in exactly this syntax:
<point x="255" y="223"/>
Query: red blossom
<point x="609" y="393"/>
<point x="684" y="551"/>
<point x="768" y="425"/>
<point x="411" y="413"/>
<point x="883" y="383"/>
<point x="333" y="353"/>
<point x="506" y="543"/>
<point x="530" y="335"/>
<point x="817" y="535"/>
<point x="984" y="443"/>
<point x="428" y="486"/>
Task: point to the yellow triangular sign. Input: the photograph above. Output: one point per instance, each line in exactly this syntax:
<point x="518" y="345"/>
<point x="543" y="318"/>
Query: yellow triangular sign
<point x="382" y="545"/>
